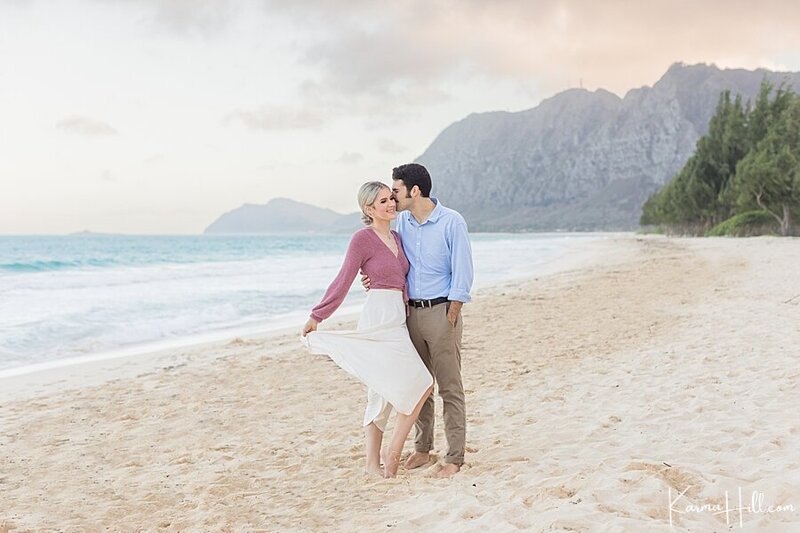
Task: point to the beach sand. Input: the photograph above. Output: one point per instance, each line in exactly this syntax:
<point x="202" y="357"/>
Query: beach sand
<point x="659" y="367"/>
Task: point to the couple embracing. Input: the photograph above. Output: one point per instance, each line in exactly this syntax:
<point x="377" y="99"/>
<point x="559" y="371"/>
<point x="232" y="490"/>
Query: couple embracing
<point x="409" y="332"/>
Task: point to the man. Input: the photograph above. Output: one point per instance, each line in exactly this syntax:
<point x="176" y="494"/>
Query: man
<point x="437" y="246"/>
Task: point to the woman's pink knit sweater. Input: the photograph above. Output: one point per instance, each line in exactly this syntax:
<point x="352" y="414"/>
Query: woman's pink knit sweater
<point x="368" y="253"/>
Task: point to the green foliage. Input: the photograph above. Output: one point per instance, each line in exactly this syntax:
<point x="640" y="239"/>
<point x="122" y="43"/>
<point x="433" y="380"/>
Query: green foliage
<point x="650" y="230"/>
<point x="749" y="160"/>
<point x="744" y="225"/>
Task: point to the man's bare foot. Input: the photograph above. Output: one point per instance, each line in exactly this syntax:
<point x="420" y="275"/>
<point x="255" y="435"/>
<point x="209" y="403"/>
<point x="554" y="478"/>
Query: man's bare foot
<point x="417" y="459"/>
<point x="448" y="470"/>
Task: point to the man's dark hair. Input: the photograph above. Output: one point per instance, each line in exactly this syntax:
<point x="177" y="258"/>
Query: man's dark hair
<point x="413" y="174"/>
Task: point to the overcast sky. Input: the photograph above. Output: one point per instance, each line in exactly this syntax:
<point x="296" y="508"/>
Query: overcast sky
<point x="156" y="116"/>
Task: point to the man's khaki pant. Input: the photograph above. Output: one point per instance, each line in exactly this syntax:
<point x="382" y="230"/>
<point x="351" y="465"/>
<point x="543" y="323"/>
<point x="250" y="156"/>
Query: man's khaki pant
<point x="439" y="347"/>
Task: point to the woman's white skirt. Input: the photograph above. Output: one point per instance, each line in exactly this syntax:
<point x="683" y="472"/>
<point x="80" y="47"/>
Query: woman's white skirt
<point x="379" y="353"/>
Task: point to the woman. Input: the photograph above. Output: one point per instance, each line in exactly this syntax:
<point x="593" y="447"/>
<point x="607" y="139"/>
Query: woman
<point x="379" y="353"/>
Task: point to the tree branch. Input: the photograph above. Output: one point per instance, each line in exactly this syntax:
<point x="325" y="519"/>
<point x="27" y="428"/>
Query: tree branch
<point x="759" y="194"/>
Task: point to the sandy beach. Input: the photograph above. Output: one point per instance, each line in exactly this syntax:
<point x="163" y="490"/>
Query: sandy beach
<point x="628" y="391"/>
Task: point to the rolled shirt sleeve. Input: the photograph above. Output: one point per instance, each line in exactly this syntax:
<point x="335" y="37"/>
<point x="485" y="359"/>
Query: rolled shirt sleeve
<point x="460" y="263"/>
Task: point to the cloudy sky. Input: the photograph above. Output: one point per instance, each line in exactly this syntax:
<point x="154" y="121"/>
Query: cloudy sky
<point x="156" y="116"/>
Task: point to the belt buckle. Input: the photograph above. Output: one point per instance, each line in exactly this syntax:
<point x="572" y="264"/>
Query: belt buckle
<point x="429" y="302"/>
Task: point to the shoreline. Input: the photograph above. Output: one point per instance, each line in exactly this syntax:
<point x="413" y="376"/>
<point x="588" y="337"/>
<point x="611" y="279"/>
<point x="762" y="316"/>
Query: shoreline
<point x="96" y="368"/>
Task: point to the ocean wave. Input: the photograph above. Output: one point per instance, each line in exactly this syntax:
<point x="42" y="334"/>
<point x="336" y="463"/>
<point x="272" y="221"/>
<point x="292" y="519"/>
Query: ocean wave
<point x="61" y="298"/>
<point x="51" y="265"/>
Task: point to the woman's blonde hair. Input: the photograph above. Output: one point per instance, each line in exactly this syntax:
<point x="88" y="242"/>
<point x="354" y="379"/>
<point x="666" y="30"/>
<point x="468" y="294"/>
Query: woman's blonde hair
<point x="366" y="197"/>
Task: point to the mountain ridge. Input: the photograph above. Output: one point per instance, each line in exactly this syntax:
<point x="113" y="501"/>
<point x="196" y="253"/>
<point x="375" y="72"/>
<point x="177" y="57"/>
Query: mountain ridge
<point x="579" y="160"/>
<point x="282" y="215"/>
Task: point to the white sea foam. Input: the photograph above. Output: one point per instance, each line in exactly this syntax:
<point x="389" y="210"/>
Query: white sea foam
<point x="52" y="317"/>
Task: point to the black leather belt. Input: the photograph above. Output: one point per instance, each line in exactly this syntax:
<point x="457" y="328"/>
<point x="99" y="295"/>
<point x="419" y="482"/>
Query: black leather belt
<point x="427" y="303"/>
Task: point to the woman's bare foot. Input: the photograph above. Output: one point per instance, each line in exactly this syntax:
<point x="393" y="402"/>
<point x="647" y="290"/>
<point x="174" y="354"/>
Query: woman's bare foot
<point x="417" y="459"/>
<point x="374" y="466"/>
<point x="448" y="470"/>
<point x="391" y="462"/>
<point x="373" y="471"/>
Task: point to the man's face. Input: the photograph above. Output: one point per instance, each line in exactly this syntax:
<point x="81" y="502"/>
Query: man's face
<point x="401" y="194"/>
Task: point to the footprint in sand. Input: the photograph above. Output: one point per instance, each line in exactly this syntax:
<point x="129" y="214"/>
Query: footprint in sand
<point x="675" y="477"/>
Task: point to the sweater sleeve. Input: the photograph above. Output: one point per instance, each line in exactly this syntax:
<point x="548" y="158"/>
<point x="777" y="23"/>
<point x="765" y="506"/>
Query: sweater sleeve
<point x="339" y="287"/>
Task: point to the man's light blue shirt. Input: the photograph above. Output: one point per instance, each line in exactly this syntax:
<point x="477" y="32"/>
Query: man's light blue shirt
<point x="439" y="254"/>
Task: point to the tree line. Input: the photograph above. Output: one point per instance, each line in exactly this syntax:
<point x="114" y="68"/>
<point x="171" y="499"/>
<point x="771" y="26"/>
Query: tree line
<point x="744" y="175"/>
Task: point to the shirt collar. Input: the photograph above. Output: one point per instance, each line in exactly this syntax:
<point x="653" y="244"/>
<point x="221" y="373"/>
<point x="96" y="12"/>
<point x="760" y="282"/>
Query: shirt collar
<point x="437" y="211"/>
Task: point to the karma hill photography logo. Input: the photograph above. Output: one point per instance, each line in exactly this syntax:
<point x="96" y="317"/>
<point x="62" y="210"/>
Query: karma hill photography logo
<point x="756" y="504"/>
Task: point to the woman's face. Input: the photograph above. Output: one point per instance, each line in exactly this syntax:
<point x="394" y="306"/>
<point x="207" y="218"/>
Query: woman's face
<point x="384" y="207"/>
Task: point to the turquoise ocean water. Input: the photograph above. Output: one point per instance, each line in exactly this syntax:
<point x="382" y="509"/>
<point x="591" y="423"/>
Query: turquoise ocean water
<point x="63" y="298"/>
